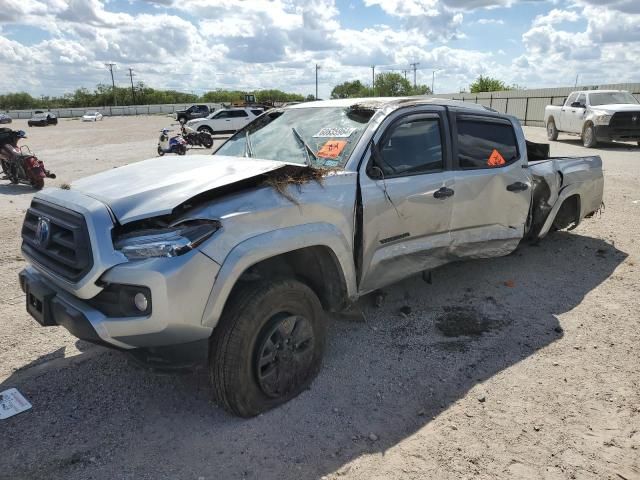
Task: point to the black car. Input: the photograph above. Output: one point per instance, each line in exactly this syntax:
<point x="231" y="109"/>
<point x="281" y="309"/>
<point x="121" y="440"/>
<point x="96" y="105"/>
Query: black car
<point x="194" y="111"/>
<point x="4" y="118"/>
<point x="42" y="119"/>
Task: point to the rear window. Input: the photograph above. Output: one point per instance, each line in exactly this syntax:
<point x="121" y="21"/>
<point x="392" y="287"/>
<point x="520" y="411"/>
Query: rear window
<point x="485" y="143"/>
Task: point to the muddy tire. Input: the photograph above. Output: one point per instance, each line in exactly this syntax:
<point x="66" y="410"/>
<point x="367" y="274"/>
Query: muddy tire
<point x="267" y="347"/>
<point x="589" y="136"/>
<point x="552" y="131"/>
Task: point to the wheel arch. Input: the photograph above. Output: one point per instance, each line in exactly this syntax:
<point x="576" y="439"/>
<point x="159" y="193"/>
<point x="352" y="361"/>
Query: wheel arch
<point x="315" y="254"/>
<point x="566" y="211"/>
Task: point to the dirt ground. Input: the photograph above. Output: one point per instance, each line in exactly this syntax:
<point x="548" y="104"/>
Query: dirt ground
<point x="523" y="367"/>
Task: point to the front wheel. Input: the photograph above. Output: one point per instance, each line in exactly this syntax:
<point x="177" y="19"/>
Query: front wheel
<point x="160" y="151"/>
<point x="267" y="347"/>
<point x="589" y="136"/>
<point x="552" y="131"/>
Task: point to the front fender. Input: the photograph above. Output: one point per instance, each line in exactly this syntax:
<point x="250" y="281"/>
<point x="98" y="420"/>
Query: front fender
<point x="271" y="244"/>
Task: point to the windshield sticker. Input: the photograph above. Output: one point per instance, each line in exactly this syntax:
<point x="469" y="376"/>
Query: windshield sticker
<point x="495" y="159"/>
<point x="332" y="149"/>
<point x="335" y="132"/>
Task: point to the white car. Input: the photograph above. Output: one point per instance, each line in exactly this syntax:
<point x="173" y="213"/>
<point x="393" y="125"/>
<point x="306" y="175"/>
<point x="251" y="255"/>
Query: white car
<point x="93" y="116"/>
<point x="228" y="120"/>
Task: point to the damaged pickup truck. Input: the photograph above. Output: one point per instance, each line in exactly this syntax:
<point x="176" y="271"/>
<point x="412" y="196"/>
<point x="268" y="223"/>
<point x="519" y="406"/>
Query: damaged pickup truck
<point x="236" y="257"/>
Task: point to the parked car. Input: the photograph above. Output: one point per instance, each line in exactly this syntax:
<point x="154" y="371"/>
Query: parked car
<point x="597" y="116"/>
<point x="4" y="118"/>
<point x="92" y="116"/>
<point x="228" y="120"/>
<point x="42" y="119"/>
<point x="234" y="259"/>
<point x="194" y="111"/>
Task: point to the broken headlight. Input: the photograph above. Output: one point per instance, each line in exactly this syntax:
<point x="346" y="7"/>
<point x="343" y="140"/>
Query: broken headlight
<point x="169" y="242"/>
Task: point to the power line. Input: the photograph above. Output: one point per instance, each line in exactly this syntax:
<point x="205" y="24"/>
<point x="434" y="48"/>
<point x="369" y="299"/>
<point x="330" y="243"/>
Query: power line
<point x="113" y="82"/>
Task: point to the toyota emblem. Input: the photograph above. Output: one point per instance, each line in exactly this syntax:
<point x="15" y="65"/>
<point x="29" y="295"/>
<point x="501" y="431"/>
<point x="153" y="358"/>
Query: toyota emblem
<point x="43" y="231"/>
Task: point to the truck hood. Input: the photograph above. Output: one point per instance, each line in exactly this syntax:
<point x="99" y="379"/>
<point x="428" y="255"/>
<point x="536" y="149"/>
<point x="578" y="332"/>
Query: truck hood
<point x="155" y="187"/>
<point x="618" y="107"/>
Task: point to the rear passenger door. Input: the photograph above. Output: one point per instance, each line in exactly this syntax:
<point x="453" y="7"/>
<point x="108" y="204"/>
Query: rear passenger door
<point x="407" y="193"/>
<point x="493" y="187"/>
<point x="240" y="118"/>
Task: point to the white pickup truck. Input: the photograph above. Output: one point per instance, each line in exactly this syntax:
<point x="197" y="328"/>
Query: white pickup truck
<point x="595" y="115"/>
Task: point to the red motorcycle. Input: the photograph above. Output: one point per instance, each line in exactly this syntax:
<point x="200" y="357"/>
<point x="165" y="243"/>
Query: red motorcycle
<point x="18" y="165"/>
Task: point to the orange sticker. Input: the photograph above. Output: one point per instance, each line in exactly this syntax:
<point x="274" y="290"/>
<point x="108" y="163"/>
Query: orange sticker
<point x="495" y="159"/>
<point x="332" y="149"/>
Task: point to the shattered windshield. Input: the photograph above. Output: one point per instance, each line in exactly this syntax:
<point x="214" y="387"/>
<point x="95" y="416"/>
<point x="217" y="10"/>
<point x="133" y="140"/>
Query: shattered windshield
<point x="611" y="98"/>
<point x="317" y="136"/>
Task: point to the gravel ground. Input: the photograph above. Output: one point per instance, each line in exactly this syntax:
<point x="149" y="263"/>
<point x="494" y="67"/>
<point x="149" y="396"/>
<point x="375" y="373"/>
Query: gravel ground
<point x="519" y="367"/>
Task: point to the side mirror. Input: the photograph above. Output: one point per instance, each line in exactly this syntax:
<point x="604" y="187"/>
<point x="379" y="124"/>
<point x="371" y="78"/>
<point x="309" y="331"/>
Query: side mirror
<point x="577" y="105"/>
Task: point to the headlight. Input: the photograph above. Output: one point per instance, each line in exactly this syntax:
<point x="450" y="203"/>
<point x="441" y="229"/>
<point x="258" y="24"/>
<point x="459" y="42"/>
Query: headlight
<point x="169" y="242"/>
<point x="602" y="119"/>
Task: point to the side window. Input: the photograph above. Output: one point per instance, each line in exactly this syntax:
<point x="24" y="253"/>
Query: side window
<point x="582" y="99"/>
<point x="222" y="114"/>
<point x="239" y="113"/>
<point x="412" y="147"/>
<point x="256" y="112"/>
<point x="485" y="144"/>
<point x="571" y="99"/>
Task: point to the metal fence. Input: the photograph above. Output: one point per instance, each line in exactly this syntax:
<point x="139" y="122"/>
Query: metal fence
<point x="528" y="105"/>
<point x="124" y="110"/>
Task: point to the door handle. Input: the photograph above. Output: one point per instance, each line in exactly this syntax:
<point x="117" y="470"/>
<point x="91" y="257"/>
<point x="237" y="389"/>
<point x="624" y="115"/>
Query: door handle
<point x="517" y="187"/>
<point x="443" y="192"/>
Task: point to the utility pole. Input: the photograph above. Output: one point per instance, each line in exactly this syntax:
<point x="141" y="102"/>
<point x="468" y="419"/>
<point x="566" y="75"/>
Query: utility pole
<point x="576" y="85"/>
<point x="415" y="67"/>
<point x="113" y="82"/>
<point x="317" y="68"/>
<point x="373" y="80"/>
<point x="133" y="92"/>
<point x="405" y="73"/>
<point x="433" y="82"/>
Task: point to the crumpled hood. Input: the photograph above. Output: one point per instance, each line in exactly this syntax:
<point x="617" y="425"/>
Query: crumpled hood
<point x="156" y="186"/>
<point x="618" y="107"/>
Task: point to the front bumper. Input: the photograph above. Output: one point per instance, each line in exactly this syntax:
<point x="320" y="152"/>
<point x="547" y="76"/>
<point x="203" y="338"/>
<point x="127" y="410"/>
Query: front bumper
<point x="605" y="133"/>
<point x="179" y="286"/>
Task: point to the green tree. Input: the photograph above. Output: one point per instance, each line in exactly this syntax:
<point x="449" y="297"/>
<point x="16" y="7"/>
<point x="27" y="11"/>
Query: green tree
<point x="353" y="89"/>
<point x="310" y="98"/>
<point x="488" y="84"/>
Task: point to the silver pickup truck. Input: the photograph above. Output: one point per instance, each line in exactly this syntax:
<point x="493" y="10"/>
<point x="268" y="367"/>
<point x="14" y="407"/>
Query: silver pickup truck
<point x="236" y="257"/>
<point x="595" y="115"/>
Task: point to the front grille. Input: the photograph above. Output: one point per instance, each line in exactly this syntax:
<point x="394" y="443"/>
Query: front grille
<point x="626" y="120"/>
<point x="66" y="250"/>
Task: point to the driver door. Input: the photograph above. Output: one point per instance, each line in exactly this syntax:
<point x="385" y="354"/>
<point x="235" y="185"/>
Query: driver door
<point x="407" y="192"/>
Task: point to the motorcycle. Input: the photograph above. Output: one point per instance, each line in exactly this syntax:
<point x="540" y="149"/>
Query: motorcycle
<point x="19" y="164"/>
<point x="167" y="144"/>
<point x="193" y="137"/>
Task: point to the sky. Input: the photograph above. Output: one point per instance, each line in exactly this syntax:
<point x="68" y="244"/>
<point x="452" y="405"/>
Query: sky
<point x="49" y="47"/>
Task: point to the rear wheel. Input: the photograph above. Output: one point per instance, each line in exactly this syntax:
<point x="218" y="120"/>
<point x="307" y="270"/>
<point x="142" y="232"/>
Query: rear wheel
<point x="182" y="150"/>
<point x="552" y="131"/>
<point x="206" y="140"/>
<point x="38" y="183"/>
<point x="267" y="347"/>
<point x="589" y="136"/>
